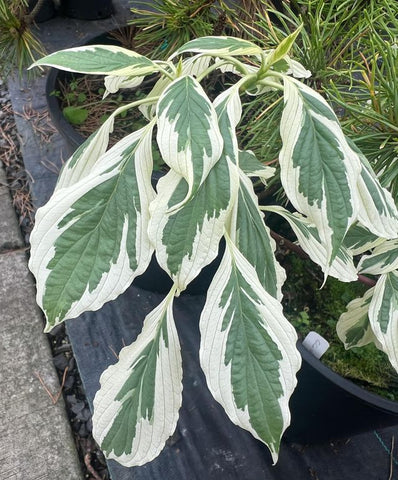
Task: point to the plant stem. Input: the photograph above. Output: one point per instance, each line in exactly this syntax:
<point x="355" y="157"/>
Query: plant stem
<point x="282" y="241"/>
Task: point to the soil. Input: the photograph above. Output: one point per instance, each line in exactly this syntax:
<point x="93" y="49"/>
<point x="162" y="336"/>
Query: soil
<point x="92" y="460"/>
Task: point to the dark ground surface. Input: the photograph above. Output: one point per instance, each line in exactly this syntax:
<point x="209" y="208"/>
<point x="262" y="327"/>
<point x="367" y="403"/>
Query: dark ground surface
<point x="206" y="445"/>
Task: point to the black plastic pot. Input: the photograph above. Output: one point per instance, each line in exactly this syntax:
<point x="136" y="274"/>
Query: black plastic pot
<point x="46" y="12"/>
<point x="87" y="9"/>
<point x="72" y="137"/>
<point x="155" y="279"/>
<point x="54" y="77"/>
<point x="326" y="406"/>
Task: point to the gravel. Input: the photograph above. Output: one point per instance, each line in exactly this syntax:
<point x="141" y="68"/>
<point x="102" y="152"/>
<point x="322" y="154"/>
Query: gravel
<point x="92" y="460"/>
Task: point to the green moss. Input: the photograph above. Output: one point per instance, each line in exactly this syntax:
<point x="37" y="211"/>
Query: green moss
<point x="311" y="308"/>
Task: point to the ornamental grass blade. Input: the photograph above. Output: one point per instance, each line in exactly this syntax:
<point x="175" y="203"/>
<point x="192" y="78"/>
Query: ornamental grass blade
<point x="219" y="46"/>
<point x="248" y="351"/>
<point x="136" y="408"/>
<point x="319" y="170"/>
<point x="188" y="135"/>
<point x="353" y="327"/>
<point x="342" y="267"/>
<point x="383" y="315"/>
<point x="383" y="259"/>
<point x="100" y="60"/>
<point x="90" y="240"/>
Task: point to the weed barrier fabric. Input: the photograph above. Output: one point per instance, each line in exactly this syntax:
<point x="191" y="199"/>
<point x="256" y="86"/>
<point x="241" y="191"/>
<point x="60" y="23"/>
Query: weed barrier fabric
<point x="206" y="445"/>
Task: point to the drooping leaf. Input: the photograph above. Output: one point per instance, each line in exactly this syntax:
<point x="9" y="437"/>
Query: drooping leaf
<point x="353" y="327"/>
<point x="188" y="135"/>
<point x="308" y="237"/>
<point x="114" y="84"/>
<point x="247" y="229"/>
<point x="252" y="237"/>
<point x="377" y="211"/>
<point x="100" y="60"/>
<point x="252" y="167"/>
<point x="248" y="351"/>
<point x="359" y="240"/>
<point x="383" y="259"/>
<point x="136" y="408"/>
<point x="383" y="315"/>
<point x="90" y="239"/>
<point x="219" y="46"/>
<point x="187" y="239"/>
<point x="85" y="157"/>
<point x="319" y="170"/>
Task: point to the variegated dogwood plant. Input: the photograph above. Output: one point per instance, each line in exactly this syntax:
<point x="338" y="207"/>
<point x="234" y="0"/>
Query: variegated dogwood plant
<point x="104" y="221"/>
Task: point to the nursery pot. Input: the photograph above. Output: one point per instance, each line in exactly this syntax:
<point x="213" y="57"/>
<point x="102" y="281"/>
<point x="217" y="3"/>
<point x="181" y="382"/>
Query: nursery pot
<point x="46" y="11"/>
<point x="87" y="9"/>
<point x="325" y="406"/>
<point x="54" y="77"/>
<point x="72" y="137"/>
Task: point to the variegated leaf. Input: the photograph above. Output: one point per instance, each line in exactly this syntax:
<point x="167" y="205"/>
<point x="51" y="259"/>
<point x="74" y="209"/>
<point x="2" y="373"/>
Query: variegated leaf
<point x="195" y="65"/>
<point x="85" y="157"/>
<point x="353" y="327"/>
<point x="360" y="240"/>
<point x="219" y="46"/>
<point x="114" y="84"/>
<point x="383" y="315"/>
<point x="199" y="224"/>
<point x="188" y="135"/>
<point x="187" y="239"/>
<point x="247" y="217"/>
<point x="149" y="109"/>
<point x="319" y="170"/>
<point x="281" y="51"/>
<point x="252" y="167"/>
<point x="190" y="66"/>
<point x="383" y="259"/>
<point x="248" y="351"/>
<point x="377" y="212"/>
<point x="100" y="60"/>
<point x="296" y="69"/>
<point x="252" y="237"/>
<point x="136" y="408"/>
<point x="90" y="240"/>
<point x="342" y="266"/>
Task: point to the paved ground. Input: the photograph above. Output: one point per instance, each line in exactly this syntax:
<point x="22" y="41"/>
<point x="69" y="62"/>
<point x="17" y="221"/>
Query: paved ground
<point x="36" y="441"/>
<point x="35" y="436"/>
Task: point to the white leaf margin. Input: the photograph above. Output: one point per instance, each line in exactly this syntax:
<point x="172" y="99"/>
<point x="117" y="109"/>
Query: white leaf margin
<point x="375" y="263"/>
<point x="150" y="437"/>
<point x="280" y="330"/>
<point x="342" y="267"/>
<point x="46" y="231"/>
<point x="383" y="309"/>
